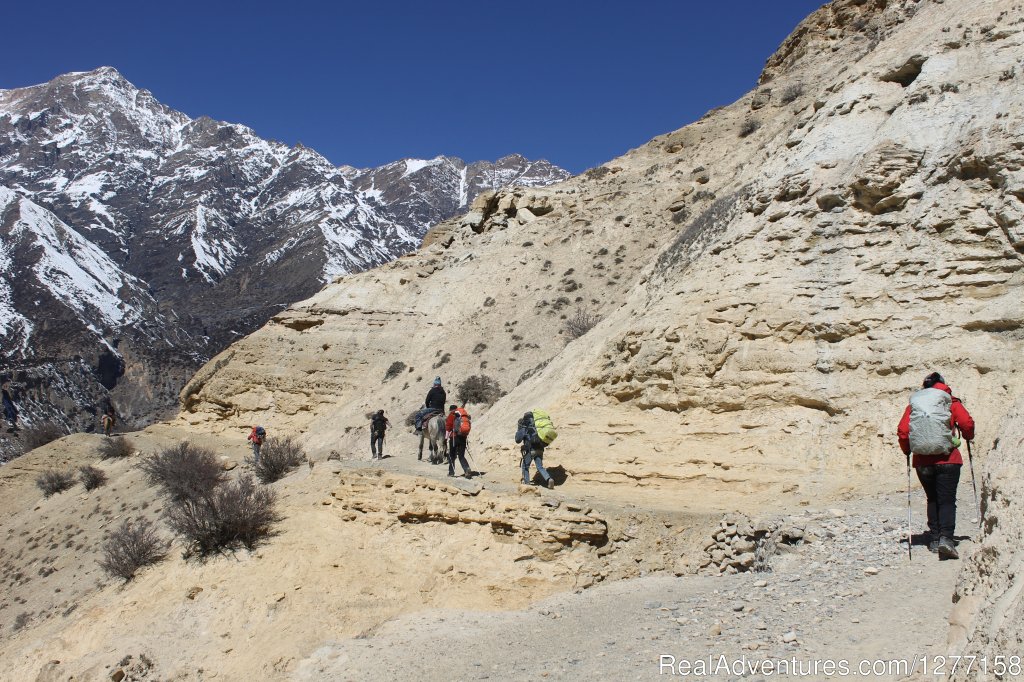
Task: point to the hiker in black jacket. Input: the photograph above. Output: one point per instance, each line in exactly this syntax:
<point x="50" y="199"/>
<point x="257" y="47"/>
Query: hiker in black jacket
<point x="378" y="425"/>
<point x="436" y="398"/>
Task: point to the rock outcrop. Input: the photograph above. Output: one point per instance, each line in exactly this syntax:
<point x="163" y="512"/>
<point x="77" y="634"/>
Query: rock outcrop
<point x="987" y="621"/>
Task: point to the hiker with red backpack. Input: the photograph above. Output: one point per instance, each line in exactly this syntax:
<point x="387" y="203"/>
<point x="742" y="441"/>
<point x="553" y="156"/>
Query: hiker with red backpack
<point x="927" y="430"/>
<point x="257" y="437"/>
<point x="458" y="425"/>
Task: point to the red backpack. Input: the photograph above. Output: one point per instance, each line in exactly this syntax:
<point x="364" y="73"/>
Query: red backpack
<point x="462" y="423"/>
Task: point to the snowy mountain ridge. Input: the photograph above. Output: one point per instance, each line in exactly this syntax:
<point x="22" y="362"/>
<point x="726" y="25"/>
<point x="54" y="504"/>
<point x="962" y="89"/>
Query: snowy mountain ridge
<point x="127" y="226"/>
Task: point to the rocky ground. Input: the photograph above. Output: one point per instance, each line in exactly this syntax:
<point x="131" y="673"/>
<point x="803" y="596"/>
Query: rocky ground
<point x="848" y="593"/>
<point x="382" y="569"/>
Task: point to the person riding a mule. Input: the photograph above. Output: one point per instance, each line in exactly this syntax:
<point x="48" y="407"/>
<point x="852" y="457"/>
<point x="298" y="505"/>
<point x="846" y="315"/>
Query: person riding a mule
<point x="434" y="403"/>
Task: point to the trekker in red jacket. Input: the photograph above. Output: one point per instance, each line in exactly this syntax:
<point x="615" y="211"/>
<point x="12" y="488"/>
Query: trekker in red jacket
<point x="940" y="473"/>
<point x="457" y="438"/>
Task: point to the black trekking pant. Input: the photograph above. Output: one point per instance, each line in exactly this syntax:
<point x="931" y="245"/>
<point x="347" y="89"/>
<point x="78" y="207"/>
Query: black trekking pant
<point x="377" y="445"/>
<point x="939" y="482"/>
<point x="457" y="449"/>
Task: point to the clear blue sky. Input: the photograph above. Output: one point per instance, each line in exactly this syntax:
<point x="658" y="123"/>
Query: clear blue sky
<point x="369" y="82"/>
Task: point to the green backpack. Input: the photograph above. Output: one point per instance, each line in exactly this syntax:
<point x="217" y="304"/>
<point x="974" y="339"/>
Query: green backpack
<point x="545" y="427"/>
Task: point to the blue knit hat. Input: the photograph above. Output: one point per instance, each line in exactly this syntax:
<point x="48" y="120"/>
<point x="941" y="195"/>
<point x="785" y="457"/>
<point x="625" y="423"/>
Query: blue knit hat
<point x="437" y="381"/>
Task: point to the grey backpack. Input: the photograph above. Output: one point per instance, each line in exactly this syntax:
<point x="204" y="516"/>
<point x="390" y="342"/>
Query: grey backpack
<point x="931" y="430"/>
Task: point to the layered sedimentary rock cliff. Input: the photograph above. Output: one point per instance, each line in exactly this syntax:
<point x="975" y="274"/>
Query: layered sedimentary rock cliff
<point x="772" y="279"/>
<point x="987" y="622"/>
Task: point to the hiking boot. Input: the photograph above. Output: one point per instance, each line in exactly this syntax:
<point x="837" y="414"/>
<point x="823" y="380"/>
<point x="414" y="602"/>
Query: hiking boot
<point x="933" y="546"/>
<point x="551" y="484"/>
<point x="947" y="550"/>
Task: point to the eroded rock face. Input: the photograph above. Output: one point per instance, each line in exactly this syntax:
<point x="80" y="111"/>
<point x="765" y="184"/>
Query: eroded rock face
<point x="546" y="528"/>
<point x="768" y="298"/>
<point x="988" y="614"/>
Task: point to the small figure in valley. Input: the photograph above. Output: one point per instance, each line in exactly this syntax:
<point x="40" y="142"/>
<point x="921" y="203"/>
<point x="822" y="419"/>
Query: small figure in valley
<point x="378" y="425"/>
<point x="927" y="430"/>
<point x="458" y="425"/>
<point x="108" y="420"/>
<point x="435" y="400"/>
<point x="257" y="437"/>
<point x="10" y="409"/>
<point x="532" y="448"/>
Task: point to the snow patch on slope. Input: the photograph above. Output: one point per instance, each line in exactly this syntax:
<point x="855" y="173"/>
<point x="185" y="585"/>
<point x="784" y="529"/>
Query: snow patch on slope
<point x="15" y="329"/>
<point x="212" y="255"/>
<point x="416" y="165"/>
<point x="76" y="271"/>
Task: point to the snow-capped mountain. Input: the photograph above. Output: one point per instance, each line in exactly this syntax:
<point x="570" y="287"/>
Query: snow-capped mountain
<point x="138" y="241"/>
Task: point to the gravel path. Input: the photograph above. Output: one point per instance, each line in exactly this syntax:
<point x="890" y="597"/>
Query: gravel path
<point x="850" y="594"/>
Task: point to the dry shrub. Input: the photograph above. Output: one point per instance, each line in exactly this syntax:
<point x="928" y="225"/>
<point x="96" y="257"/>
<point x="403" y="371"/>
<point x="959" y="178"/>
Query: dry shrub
<point x="396" y="368"/>
<point x="133" y="545"/>
<point x="580" y="323"/>
<point x="42" y="434"/>
<point x="116" y="447"/>
<point x="52" y="481"/>
<point x="792" y="92"/>
<point x="240" y="512"/>
<point x="184" y="471"/>
<point x="91" y="477"/>
<point x="278" y="456"/>
<point x="480" y="389"/>
<point x="749" y="126"/>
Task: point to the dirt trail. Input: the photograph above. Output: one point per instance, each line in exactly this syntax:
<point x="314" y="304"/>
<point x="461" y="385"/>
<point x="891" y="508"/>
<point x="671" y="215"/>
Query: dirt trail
<point x="822" y="602"/>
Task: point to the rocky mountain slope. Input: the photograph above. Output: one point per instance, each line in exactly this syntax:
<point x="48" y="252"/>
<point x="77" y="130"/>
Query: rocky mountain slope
<point x="142" y="241"/>
<point x="772" y="281"/>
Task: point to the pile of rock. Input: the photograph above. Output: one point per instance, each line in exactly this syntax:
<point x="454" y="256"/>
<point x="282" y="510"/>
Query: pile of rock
<point x="740" y="544"/>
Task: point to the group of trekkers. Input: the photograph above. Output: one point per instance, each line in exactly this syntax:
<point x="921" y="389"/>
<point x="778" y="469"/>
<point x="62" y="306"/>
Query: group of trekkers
<point x="932" y="428"/>
<point x="533" y="433"/>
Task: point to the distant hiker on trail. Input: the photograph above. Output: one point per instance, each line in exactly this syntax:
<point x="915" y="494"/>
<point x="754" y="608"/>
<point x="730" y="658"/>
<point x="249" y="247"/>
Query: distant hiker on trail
<point x="927" y="431"/>
<point x="378" y="425"/>
<point x="458" y="425"/>
<point x="532" y="450"/>
<point x="108" y="420"/>
<point x="436" y="398"/>
<point x="10" y="410"/>
<point x="257" y="437"/>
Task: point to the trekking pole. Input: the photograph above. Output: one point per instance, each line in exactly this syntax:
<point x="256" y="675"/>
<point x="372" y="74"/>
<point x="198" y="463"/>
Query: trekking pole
<point x="974" y="486"/>
<point x="910" y="533"/>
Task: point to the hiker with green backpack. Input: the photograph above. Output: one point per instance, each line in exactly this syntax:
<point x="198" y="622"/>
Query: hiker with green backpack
<point x="534" y="433"/>
<point x="928" y="431"/>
